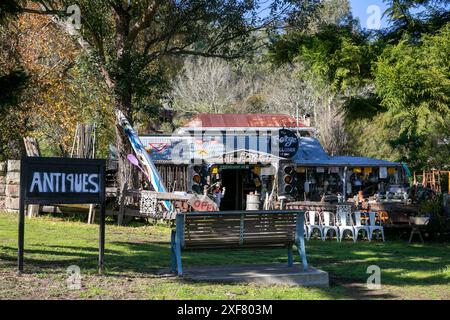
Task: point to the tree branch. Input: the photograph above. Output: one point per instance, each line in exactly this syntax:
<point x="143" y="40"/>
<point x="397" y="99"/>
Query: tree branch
<point x="42" y="12"/>
<point x="145" y="21"/>
<point x="180" y="51"/>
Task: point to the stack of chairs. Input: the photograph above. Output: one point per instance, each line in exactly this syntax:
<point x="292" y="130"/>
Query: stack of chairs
<point x="375" y="224"/>
<point x="313" y="222"/>
<point x="328" y="224"/>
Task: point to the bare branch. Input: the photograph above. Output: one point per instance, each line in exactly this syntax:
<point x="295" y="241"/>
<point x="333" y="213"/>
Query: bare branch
<point x="207" y="85"/>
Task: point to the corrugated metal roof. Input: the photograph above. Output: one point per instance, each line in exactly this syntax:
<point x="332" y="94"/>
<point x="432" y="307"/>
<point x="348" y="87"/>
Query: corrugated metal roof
<point x="207" y="120"/>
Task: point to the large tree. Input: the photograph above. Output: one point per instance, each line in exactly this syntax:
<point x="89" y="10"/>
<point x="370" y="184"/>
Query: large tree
<point x="413" y="82"/>
<point x="329" y="53"/>
<point x="126" y="37"/>
<point x="13" y="81"/>
<point x="415" y="18"/>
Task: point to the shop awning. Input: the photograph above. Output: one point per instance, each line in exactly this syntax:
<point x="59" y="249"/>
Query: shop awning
<point x="311" y="153"/>
<point x="178" y="149"/>
<point x="363" y="162"/>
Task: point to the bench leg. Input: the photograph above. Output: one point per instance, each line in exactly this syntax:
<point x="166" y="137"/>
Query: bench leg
<point x="290" y="259"/>
<point x="302" y="252"/>
<point x="301" y="241"/>
<point x="173" y="257"/>
<point x="179" y="230"/>
<point x="178" y="257"/>
<point x="178" y="236"/>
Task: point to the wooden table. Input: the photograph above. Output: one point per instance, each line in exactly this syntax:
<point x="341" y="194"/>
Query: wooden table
<point x="313" y="205"/>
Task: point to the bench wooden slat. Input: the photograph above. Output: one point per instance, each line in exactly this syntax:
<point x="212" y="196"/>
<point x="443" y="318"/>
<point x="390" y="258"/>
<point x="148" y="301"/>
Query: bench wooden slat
<point x="246" y="229"/>
<point x="237" y="236"/>
<point x="243" y="227"/>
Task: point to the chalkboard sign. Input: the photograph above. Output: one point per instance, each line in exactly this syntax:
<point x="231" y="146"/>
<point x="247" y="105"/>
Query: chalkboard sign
<point x="288" y="143"/>
<point x="61" y="181"/>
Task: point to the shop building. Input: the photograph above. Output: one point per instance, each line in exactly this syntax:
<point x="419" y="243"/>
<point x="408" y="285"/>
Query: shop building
<point x="268" y="155"/>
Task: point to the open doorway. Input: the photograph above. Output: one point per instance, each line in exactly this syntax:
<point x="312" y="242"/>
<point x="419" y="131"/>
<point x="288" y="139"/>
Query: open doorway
<point x="239" y="182"/>
<point x="232" y="181"/>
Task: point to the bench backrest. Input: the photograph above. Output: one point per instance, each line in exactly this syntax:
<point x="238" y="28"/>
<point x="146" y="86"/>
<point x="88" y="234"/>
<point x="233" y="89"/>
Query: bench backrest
<point x="234" y="229"/>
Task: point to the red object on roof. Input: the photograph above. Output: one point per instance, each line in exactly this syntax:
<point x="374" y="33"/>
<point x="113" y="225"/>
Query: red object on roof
<point x="231" y="120"/>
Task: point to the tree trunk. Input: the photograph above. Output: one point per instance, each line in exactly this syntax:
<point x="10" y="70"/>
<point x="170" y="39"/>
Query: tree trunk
<point x="16" y="149"/>
<point x="126" y="172"/>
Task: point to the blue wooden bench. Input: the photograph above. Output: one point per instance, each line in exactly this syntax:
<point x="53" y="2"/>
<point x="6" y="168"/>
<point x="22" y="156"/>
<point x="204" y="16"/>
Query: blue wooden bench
<point x="236" y="229"/>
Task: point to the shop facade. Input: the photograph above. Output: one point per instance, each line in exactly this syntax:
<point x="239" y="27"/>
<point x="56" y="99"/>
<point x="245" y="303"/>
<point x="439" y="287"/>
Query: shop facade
<point x="267" y="158"/>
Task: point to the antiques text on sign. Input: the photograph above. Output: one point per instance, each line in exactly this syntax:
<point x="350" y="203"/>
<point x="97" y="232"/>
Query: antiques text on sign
<point x="62" y="180"/>
<point x="49" y="181"/>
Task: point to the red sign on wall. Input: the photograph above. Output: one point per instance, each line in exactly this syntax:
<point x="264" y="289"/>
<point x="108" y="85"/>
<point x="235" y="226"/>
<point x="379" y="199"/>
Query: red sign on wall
<point x="202" y="204"/>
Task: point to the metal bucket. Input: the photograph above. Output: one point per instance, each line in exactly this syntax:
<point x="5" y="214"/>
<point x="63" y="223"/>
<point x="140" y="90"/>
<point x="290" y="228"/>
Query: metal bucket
<point x="253" y="202"/>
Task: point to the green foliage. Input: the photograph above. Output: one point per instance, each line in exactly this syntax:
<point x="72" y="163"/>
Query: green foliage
<point x="431" y="207"/>
<point x="336" y="55"/>
<point x="135" y="253"/>
<point x="370" y="137"/>
<point x="394" y="84"/>
<point x="311" y="16"/>
<point x="413" y="82"/>
<point x="362" y="107"/>
<point x="85" y="99"/>
<point x="415" y="18"/>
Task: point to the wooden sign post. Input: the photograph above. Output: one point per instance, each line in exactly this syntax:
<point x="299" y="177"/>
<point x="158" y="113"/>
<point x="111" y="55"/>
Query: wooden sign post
<point x="49" y="181"/>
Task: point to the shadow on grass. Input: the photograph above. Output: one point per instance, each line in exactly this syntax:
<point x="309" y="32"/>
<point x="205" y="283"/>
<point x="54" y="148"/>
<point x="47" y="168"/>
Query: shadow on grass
<point x="401" y="264"/>
<point x="345" y="261"/>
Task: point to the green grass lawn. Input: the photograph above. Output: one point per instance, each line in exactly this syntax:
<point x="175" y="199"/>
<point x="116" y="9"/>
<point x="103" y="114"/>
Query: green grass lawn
<point x="135" y="256"/>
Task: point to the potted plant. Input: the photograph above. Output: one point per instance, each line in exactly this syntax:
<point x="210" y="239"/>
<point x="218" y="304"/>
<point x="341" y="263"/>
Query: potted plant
<point x="427" y="210"/>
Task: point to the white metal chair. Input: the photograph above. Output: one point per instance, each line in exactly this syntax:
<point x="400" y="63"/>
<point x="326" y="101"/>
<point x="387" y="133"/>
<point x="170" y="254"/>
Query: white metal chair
<point x="329" y="223"/>
<point x="345" y="221"/>
<point x="359" y="226"/>
<point x="312" y="224"/>
<point x="373" y="226"/>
